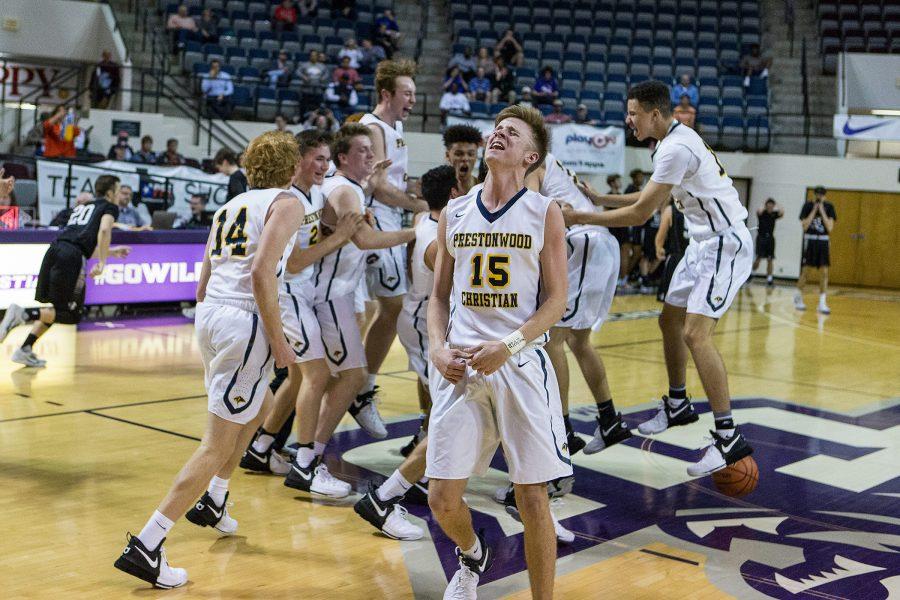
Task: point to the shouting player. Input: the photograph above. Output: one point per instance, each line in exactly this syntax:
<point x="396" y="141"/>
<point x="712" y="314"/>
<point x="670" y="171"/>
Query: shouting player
<point x="717" y="262"/>
<point x="461" y="143"/>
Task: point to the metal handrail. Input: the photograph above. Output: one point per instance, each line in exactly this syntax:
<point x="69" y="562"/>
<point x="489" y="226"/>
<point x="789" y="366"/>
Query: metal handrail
<point x="805" y="88"/>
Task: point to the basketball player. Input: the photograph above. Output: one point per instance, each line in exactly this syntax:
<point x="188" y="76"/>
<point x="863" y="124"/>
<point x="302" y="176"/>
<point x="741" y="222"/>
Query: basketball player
<point x="648" y="263"/>
<point x="501" y="254"/>
<point x="386" y="272"/>
<point x="461" y="143"/>
<point x="633" y="245"/>
<point x="817" y="218"/>
<point x="61" y="279"/>
<point x="765" y="237"/>
<point x="239" y="331"/>
<point x="335" y="279"/>
<point x="308" y="375"/>
<point x="717" y="262"/>
<point x="380" y="506"/>
<point x="671" y="242"/>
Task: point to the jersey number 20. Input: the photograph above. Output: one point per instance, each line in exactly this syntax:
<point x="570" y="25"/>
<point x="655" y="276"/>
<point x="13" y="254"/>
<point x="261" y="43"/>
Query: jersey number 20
<point x="235" y="238"/>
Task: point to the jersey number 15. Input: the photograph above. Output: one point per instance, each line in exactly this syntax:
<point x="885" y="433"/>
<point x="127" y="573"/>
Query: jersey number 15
<point x="236" y="239"/>
<point x="496" y="274"/>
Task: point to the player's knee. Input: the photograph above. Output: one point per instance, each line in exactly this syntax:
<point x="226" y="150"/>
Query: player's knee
<point x="695" y="337"/>
<point x="531" y="499"/>
<point x="442" y="501"/>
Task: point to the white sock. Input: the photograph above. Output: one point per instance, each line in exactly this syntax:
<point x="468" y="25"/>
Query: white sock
<point x="396" y="485"/>
<point x="263" y="442"/>
<point x="217" y="489"/>
<point x="318" y="448"/>
<point x="370" y="383"/>
<point x="305" y="456"/>
<point x="155" y="530"/>
<point x="424" y="480"/>
<point x="822" y="299"/>
<point x="475" y="551"/>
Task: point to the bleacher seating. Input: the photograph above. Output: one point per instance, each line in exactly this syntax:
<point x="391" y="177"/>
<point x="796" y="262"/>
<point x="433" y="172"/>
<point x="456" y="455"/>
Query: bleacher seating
<point x="851" y="26"/>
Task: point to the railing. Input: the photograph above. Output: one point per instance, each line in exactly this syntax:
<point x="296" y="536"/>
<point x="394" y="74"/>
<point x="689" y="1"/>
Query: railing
<point x="805" y="88"/>
<point x="789" y="19"/>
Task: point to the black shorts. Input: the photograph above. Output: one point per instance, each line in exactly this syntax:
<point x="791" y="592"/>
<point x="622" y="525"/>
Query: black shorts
<point x="672" y="261"/>
<point x="634" y="235"/>
<point x="816" y="253"/>
<point x="619" y="233"/>
<point x="61" y="279"/>
<point x="648" y="242"/>
<point x="765" y="246"/>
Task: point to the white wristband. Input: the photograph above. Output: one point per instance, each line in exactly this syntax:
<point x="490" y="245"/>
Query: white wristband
<point x="514" y="342"/>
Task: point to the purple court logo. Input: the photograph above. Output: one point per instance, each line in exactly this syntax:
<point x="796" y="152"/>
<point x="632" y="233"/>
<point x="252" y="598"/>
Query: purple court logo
<point x="824" y="521"/>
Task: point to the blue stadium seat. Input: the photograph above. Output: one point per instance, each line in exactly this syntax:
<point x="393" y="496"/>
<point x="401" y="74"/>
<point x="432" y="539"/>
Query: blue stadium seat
<point x="479" y="109"/>
<point x="249" y="75"/>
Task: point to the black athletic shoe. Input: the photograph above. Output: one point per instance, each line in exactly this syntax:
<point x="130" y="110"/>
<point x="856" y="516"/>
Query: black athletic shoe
<point x="266" y="462"/>
<point x="561" y="486"/>
<point x="666" y="417"/>
<point x="575" y="443"/>
<point x="365" y="412"/>
<point x="608" y="435"/>
<point x="373" y="509"/>
<point x="300" y="478"/>
<point x="417" y="494"/>
<point x="411" y="445"/>
<point x="206" y="513"/>
<point x="479" y="567"/>
<point x="149" y="565"/>
<point x="720" y="453"/>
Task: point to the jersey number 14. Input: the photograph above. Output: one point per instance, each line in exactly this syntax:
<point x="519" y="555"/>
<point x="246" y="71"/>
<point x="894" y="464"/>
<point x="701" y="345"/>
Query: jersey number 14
<point x="236" y="239"/>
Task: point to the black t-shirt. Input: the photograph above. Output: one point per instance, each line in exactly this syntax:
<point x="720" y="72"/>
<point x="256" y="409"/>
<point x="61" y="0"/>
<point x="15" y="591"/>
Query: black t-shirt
<point x="816" y="226"/>
<point x="767" y="222"/>
<point x="84" y="224"/>
<point x="237" y="184"/>
<point x="677" y="237"/>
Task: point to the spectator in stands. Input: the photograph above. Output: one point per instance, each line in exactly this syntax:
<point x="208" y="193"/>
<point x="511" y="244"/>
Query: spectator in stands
<point x="685" y="86"/>
<point x="546" y="88"/>
<point x="351" y="51"/>
<point x="525" y="98"/>
<point x="170" y="158"/>
<point x="105" y="80"/>
<point x="281" y="124"/>
<point x="280" y="73"/>
<point x="284" y="18"/>
<point x="309" y="9"/>
<point x="465" y="62"/>
<point x="510" y="49"/>
<point x="370" y="56"/>
<point x="121" y="144"/>
<point x="145" y="155"/>
<point x="60" y="131"/>
<point x="321" y="119"/>
<point x="341" y="97"/>
<point x="345" y="71"/>
<point x="755" y="65"/>
<point x="217" y="89"/>
<point x="314" y="72"/>
<point x="343" y="9"/>
<point x="454" y="102"/>
<point x="226" y="163"/>
<point x="480" y="87"/>
<point x="557" y="117"/>
<point x="684" y="112"/>
<point x="393" y="30"/>
<point x="486" y="61"/>
<point x="384" y="39"/>
<point x="207" y="28"/>
<point x="582" y="117"/>
<point x="454" y="77"/>
<point x="180" y="26"/>
<point x="129" y="218"/>
<point x="503" y="82"/>
<point x="200" y="218"/>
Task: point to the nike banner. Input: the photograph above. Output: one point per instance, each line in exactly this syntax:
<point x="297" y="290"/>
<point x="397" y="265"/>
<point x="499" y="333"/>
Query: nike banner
<point x="864" y="127"/>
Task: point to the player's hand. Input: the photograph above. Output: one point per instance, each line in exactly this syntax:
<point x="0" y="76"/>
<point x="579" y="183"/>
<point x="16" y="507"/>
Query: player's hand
<point x="660" y="253"/>
<point x="348" y="225"/>
<point x="450" y="363"/>
<point x="570" y="216"/>
<point x="97" y="269"/>
<point x="585" y="188"/>
<point x="120" y="251"/>
<point x="283" y="353"/>
<point x="369" y="218"/>
<point x="487" y="357"/>
<point x="378" y="176"/>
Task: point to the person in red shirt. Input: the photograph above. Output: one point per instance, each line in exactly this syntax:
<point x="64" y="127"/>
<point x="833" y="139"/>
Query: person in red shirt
<point x="60" y="131"/>
<point x="285" y="16"/>
<point x="345" y="69"/>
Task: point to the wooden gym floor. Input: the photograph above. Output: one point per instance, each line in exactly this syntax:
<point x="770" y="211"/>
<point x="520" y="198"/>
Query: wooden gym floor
<point x="89" y="445"/>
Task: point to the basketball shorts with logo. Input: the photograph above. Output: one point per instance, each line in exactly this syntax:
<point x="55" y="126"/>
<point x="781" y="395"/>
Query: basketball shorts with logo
<point x="765" y="246"/>
<point x="340" y="334"/>
<point x="593" y="267"/>
<point x="518" y="406"/>
<point x="361" y="296"/>
<point x="412" y="330"/>
<point x="386" y="272"/>
<point x="300" y="324"/>
<point x="816" y="252"/>
<point x="237" y="360"/>
<point x="712" y="271"/>
<point x="61" y="281"/>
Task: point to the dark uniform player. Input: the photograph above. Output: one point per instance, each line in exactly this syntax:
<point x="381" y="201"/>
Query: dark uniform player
<point x="817" y="218"/>
<point x="671" y="241"/>
<point x="765" y="237"/>
<point x="61" y="280"/>
<point x="631" y="245"/>
<point x="649" y="261"/>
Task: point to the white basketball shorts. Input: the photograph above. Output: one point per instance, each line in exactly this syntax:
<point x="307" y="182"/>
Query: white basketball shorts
<point x="712" y="271"/>
<point x="300" y="325"/>
<point x="593" y="266"/>
<point x="340" y="334"/>
<point x="386" y="272"/>
<point x="412" y="330"/>
<point x="237" y="360"/>
<point x="518" y="406"/>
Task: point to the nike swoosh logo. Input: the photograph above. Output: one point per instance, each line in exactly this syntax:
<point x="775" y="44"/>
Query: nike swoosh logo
<point x="302" y="474"/>
<point x="153" y="563"/>
<point x="853" y="131"/>
<point x="679" y="410"/>
<point x="381" y="511"/>
<point x="606" y="432"/>
<point x="459" y="215"/>
<point x="524" y="363"/>
<point x="727" y="449"/>
<point x="218" y="514"/>
<point x="255" y="455"/>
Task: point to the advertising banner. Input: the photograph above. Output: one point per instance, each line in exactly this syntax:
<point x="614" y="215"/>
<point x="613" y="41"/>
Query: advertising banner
<point x="863" y="127"/>
<point x="53" y="182"/>
<point x="18" y="273"/>
<point x="186" y="181"/>
<point x="151" y="273"/>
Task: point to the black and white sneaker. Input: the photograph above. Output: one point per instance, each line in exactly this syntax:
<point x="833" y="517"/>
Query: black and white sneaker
<point x="205" y="513"/>
<point x="150" y="565"/>
<point x="388" y="517"/>
<point x="417" y="494"/>
<point x="609" y="435"/>
<point x="265" y="462"/>
<point x="561" y="486"/>
<point x="575" y="443"/>
<point x="720" y="453"/>
<point x="365" y="412"/>
<point x="316" y="479"/>
<point x="464" y="584"/>
<point x="666" y="417"/>
<point x="413" y="442"/>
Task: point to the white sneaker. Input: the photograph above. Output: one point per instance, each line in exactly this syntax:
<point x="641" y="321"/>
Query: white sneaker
<point x="501" y="493"/>
<point x="278" y="464"/>
<point x="798" y="302"/>
<point x="666" y="417"/>
<point x="397" y="525"/>
<point x="327" y="484"/>
<point x="720" y="452"/>
<point x="150" y="565"/>
<point x="463" y="586"/>
<point x="368" y="418"/>
<point x="823" y="308"/>
<point x="29" y="359"/>
<point x="15" y="316"/>
<point x="226" y="525"/>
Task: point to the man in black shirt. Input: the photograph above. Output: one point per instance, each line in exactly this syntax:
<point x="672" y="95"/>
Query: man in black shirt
<point x="200" y="219"/>
<point x="817" y="218"/>
<point x="61" y="279"/>
<point x="227" y="163"/>
<point x="765" y="237"/>
<point x="632" y="245"/>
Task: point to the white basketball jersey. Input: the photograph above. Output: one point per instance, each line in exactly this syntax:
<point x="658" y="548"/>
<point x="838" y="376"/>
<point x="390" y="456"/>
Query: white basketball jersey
<point x="390" y="218"/>
<point x="497" y="274"/>
<point x="236" y="231"/>
<point x="422" y="276"/>
<point x="702" y="190"/>
<point x="307" y="235"/>
<point x="339" y="273"/>
<point x="561" y="183"/>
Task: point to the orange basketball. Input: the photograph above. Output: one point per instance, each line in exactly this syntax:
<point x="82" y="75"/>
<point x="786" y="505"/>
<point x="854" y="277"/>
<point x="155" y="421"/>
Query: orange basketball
<point x="739" y="479"/>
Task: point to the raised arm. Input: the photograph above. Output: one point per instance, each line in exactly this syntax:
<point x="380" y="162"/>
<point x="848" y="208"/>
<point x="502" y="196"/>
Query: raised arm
<point x="652" y="197"/>
<point x="614" y="200"/>
<point x="301" y="258"/>
<point x="805" y="221"/>
<point x="826" y="219"/>
<point x="344" y="201"/>
<point x="385" y="191"/>
<point x="451" y="363"/>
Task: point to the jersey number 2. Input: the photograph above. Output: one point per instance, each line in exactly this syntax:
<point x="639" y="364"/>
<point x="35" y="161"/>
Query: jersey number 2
<point x="497" y="274"/>
<point x="235" y="238"/>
